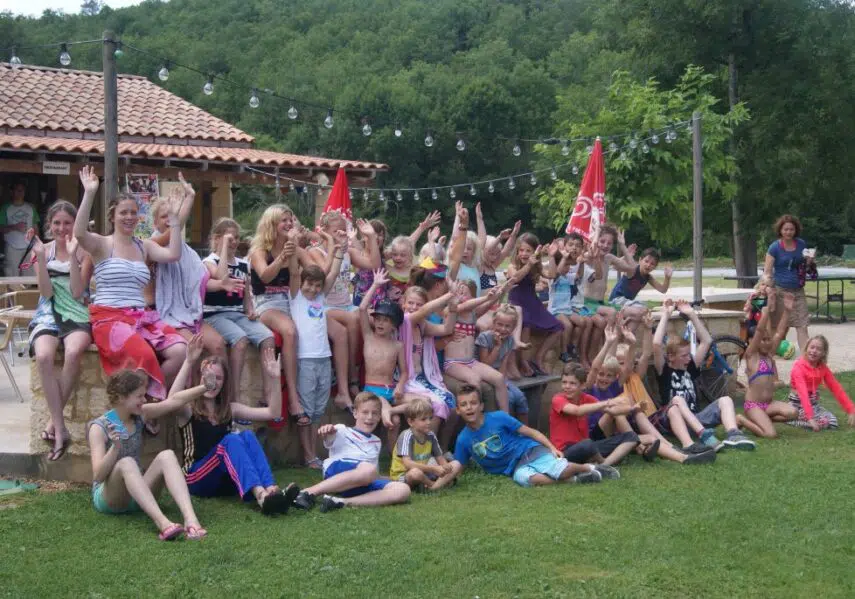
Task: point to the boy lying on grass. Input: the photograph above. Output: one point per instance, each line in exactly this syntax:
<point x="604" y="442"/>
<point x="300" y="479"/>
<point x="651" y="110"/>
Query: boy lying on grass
<point x="501" y="444"/>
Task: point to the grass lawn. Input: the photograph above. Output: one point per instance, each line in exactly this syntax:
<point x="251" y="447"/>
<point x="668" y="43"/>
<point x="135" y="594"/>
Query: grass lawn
<point x="776" y="522"/>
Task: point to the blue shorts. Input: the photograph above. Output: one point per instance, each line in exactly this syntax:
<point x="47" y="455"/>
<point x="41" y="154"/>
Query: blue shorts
<point x="102" y="506"/>
<point x="387" y="392"/>
<point x="518" y="402"/>
<point x="234" y="326"/>
<point x="340" y="466"/>
<point x="547" y="464"/>
<point x="582" y="311"/>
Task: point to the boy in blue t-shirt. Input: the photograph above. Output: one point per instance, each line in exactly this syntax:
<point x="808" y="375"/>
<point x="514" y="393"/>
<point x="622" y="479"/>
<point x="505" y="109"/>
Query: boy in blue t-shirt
<point x="501" y="444"/>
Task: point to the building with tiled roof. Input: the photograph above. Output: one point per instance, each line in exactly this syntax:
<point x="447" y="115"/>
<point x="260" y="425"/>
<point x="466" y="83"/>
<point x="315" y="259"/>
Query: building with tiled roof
<point x="52" y="122"/>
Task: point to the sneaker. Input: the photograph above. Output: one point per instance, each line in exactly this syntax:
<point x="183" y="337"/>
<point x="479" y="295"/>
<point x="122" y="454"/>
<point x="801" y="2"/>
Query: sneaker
<point x="696" y="447"/>
<point x="291" y="492"/>
<point x="564" y="357"/>
<point x="592" y="476"/>
<point x="330" y="503"/>
<point x="304" y="501"/>
<point x="607" y="472"/>
<point x="707" y="457"/>
<point x="709" y="439"/>
<point x="737" y="440"/>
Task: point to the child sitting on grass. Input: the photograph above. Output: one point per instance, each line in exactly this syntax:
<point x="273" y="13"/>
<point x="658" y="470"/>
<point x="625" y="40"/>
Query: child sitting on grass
<point x="678" y="369"/>
<point x="115" y="443"/>
<point x="418" y="459"/>
<point x="496" y="348"/>
<point x="382" y="353"/>
<point x="350" y="471"/>
<point x="568" y="422"/>
<point x="503" y="445"/>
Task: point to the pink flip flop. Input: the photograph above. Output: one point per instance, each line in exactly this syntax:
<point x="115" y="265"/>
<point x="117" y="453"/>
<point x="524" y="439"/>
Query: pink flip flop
<point x="171" y="533"/>
<point x="195" y="533"/>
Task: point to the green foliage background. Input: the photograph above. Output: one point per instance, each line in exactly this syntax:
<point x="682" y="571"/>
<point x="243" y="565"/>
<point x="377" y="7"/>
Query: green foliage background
<point x="526" y="68"/>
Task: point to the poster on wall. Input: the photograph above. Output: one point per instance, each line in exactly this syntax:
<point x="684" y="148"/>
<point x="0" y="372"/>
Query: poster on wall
<point x="144" y="189"/>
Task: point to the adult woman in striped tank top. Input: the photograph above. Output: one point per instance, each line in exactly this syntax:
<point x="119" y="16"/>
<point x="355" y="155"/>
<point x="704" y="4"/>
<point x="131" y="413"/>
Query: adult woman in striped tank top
<point x="126" y="335"/>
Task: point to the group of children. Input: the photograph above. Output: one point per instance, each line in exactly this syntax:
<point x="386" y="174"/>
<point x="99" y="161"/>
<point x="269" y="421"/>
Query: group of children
<point x="387" y="352"/>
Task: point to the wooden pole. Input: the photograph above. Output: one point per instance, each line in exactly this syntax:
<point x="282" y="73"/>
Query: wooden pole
<point x="110" y="185"/>
<point x="698" y="200"/>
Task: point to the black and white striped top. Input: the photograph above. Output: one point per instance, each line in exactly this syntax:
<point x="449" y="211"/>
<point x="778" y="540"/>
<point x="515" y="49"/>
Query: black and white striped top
<point x="119" y="282"/>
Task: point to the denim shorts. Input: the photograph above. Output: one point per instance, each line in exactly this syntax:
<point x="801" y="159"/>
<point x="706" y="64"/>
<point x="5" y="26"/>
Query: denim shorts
<point x="273" y="301"/>
<point x="547" y="464"/>
<point x="710" y="416"/>
<point x="234" y="326"/>
<point x="518" y="402"/>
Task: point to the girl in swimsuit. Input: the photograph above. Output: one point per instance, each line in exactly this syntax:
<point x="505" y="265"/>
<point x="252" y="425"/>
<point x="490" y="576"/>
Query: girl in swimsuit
<point x="460" y="361"/>
<point x="761" y="411"/>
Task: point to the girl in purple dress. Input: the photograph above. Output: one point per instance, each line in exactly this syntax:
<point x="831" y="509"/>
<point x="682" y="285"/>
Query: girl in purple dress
<point x="525" y="270"/>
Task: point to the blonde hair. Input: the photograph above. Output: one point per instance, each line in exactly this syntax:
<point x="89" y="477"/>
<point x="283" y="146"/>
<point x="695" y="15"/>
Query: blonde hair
<point x="419" y="408"/>
<point x="611" y="364"/>
<point x="58" y="206"/>
<point x="416" y="290"/>
<point x="472" y="236"/>
<point x="265" y="230"/>
<point x="674" y="345"/>
<point x="765" y="280"/>
<point x="507" y="310"/>
<point x="823" y="342"/>
<point x="404" y="242"/>
<point x="364" y="398"/>
<point x="328" y="217"/>
<point x="219" y="229"/>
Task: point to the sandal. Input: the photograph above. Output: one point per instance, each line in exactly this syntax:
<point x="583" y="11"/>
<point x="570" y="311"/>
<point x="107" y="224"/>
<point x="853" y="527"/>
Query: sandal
<point x="46" y="436"/>
<point x="301" y="419"/>
<point x="651" y="452"/>
<point x="537" y="370"/>
<point x="353" y="387"/>
<point x="195" y="533"/>
<point x="171" y="533"/>
<point x="57" y="454"/>
<point x="315" y="464"/>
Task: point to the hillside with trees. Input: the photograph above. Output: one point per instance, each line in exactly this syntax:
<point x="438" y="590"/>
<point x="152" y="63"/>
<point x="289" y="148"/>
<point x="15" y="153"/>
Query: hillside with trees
<point x="774" y="79"/>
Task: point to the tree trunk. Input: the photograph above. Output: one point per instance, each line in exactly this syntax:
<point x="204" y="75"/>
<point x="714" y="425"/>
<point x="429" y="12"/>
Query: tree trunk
<point x="744" y="243"/>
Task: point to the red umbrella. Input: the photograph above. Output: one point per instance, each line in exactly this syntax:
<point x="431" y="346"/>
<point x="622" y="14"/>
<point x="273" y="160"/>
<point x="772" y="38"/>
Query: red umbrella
<point x="591" y="201"/>
<point x="339" y="198"/>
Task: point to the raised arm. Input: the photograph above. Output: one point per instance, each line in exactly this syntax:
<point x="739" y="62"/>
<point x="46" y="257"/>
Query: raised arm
<point x="42" y="276"/>
<point x="481" y="227"/>
<point x="78" y="271"/>
<point x="458" y="240"/>
<point x="220" y="270"/>
<point x="267" y="272"/>
<point x="646" y="345"/>
<point x="369" y="256"/>
<point x="783" y="322"/>
<point x="337" y="254"/>
<point x="704" y="337"/>
<point x="769" y="265"/>
<point x="447" y="326"/>
<point x="762" y="328"/>
<point x="273" y="410"/>
<point x="431" y="220"/>
<point x="612" y="335"/>
<point x="659" y="337"/>
<point x="662" y="286"/>
<point x="380" y="279"/>
<point x="629" y="339"/>
<point x="510" y="242"/>
<point x="172" y="252"/>
<point x="91" y="242"/>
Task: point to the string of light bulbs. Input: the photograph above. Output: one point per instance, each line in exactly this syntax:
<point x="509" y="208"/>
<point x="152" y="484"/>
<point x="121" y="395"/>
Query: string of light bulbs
<point x="622" y="152"/>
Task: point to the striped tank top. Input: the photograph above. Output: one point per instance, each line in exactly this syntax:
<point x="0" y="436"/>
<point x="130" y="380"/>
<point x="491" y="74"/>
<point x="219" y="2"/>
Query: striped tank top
<point x="119" y="282"/>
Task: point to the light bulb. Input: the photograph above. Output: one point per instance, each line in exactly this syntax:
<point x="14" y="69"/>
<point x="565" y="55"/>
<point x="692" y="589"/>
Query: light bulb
<point x="575" y="169"/>
<point x="452" y="193"/>
<point x="434" y="195"/>
<point x="366" y="129"/>
<point x="533" y="180"/>
<point x="645" y="148"/>
<point x="565" y="149"/>
<point x="613" y="147"/>
<point x="517" y="149"/>
<point x="292" y="113"/>
<point x="163" y="73"/>
<point x="553" y="175"/>
<point x="429" y="140"/>
<point x="209" y="87"/>
<point x="511" y="183"/>
<point x="399" y="196"/>
<point x="654" y="138"/>
<point x="669" y="137"/>
<point x="365" y="195"/>
<point x="589" y="149"/>
<point x="15" y="61"/>
<point x="291" y="186"/>
<point x="64" y="56"/>
<point x="328" y="122"/>
<point x="633" y="143"/>
<point x="416" y="196"/>
<point x="491" y="188"/>
<point x="350" y="194"/>
<point x="623" y="155"/>
<point x="253" y="99"/>
<point x="461" y="145"/>
<point x="118" y="52"/>
<point x="382" y="196"/>
<point x="398" y="131"/>
<point x="472" y="191"/>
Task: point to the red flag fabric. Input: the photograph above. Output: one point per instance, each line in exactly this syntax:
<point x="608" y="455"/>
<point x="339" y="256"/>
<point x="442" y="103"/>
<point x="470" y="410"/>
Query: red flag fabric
<point x="591" y="201"/>
<point x="339" y="198"/>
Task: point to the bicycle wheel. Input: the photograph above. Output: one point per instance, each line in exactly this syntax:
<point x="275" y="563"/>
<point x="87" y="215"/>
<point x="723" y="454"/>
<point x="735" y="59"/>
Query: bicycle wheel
<point x="720" y="370"/>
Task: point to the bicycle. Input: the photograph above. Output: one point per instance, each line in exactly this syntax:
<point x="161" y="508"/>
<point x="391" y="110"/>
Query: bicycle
<point x="720" y="368"/>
